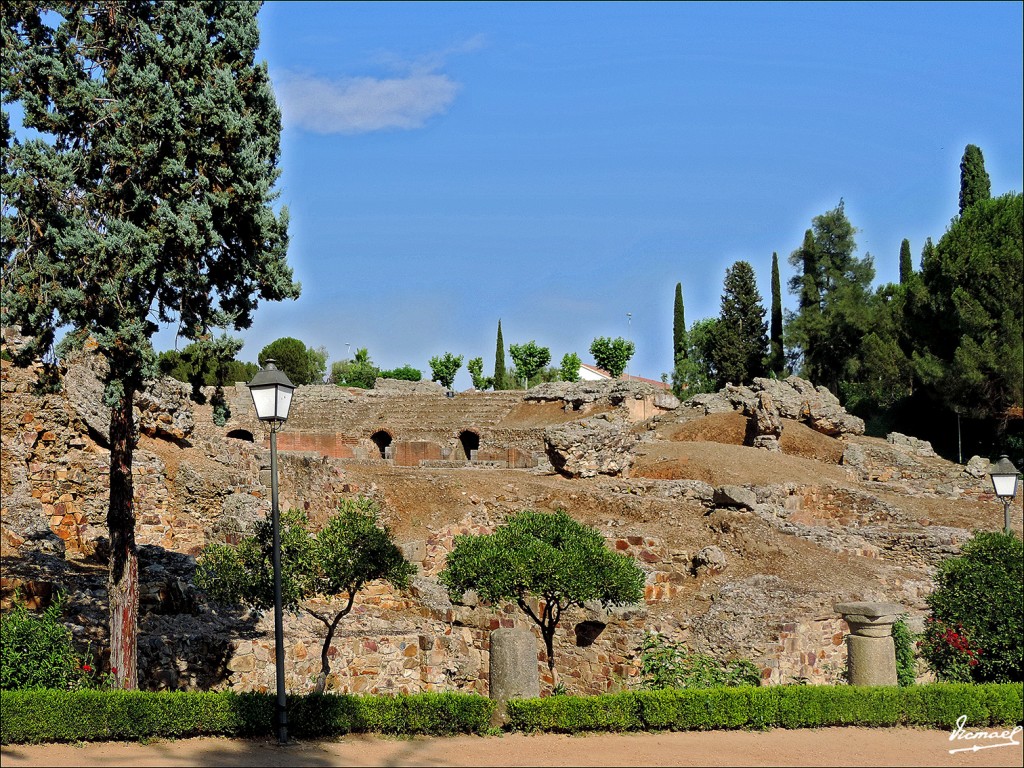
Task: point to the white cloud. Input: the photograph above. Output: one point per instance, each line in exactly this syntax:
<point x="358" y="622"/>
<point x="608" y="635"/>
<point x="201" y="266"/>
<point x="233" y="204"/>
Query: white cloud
<point x="364" y="104"/>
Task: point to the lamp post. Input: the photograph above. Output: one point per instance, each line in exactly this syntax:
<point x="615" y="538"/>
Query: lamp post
<point x="272" y="396"/>
<point x="1004" y="480"/>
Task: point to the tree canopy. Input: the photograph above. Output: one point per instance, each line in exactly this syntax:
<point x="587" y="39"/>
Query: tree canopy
<point x="444" y="368"/>
<point x="545" y="557"/>
<point x="972" y="353"/>
<point x="138" y="190"/>
<point x="975" y="185"/>
<point x="612" y="355"/>
<point x="740" y="343"/>
<point x="529" y="359"/>
<point x="352" y="549"/>
<point x="302" y="364"/>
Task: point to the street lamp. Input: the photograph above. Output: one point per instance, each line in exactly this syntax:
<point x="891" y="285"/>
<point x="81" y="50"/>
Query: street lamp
<point x="1004" y="480"/>
<point x="272" y="396"/>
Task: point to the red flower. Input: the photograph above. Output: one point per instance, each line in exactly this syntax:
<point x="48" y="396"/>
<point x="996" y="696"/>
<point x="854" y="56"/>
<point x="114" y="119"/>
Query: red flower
<point x="113" y="670"/>
<point x="86" y="668"/>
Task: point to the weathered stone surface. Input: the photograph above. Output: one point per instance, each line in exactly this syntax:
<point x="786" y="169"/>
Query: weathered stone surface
<point x="735" y="496"/>
<point x="977" y="466"/>
<point x="710" y="559"/>
<point x="921" y="447"/>
<point x="513" y="665"/>
<point x="162" y="409"/>
<point x="399" y="387"/>
<point x="590" y="448"/>
<point x="871" y="660"/>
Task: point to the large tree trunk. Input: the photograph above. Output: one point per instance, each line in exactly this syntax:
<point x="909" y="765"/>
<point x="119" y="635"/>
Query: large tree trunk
<point x="123" y="584"/>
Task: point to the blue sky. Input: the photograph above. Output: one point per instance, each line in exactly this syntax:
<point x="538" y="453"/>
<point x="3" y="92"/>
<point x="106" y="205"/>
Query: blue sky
<point x="562" y="166"/>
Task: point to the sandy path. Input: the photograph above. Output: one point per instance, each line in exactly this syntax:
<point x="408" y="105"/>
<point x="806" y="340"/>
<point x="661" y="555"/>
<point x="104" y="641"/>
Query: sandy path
<point x="827" y="746"/>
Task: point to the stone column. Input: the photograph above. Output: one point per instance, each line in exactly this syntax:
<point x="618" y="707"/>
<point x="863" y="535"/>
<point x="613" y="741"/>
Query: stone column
<point x="871" y="653"/>
<point x="513" y="668"/>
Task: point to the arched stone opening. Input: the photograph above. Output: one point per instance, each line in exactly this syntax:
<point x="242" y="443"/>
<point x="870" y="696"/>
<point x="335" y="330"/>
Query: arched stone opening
<point x="382" y="439"/>
<point x="470" y="442"/>
<point x="241" y="434"/>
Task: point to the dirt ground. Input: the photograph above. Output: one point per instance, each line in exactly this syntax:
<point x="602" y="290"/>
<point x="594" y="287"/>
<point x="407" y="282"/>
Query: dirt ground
<point x="826" y="747"/>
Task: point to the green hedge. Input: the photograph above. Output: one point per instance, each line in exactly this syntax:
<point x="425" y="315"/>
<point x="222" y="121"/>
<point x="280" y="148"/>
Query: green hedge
<point x="46" y="715"/>
<point x="794" y="706"/>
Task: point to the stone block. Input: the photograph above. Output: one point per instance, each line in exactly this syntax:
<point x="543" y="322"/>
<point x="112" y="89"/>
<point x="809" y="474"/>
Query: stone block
<point x="871" y="660"/>
<point x="513" y="667"/>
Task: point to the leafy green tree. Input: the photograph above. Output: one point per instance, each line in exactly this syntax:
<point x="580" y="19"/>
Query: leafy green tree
<point x="570" y="367"/>
<point x="741" y="336"/>
<point x="500" y="375"/>
<point x="545" y="563"/>
<point x="906" y="265"/>
<point x="139" y="192"/>
<point x="695" y="374"/>
<point x="678" y="324"/>
<point x="776" y="355"/>
<point x="476" y="371"/>
<point x="975" y="185"/>
<point x="835" y="309"/>
<point x="970" y="317"/>
<point x="444" y="368"/>
<point x="405" y="373"/>
<point x="359" y="372"/>
<point x="529" y="359"/>
<point x="209" y="362"/>
<point x="612" y="355"/>
<point x="975" y="632"/>
<point x="351" y="550"/>
<point x="301" y="364"/>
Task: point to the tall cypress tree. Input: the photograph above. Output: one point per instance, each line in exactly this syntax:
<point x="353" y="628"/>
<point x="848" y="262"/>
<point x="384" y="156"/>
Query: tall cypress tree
<point x="141" y="193"/>
<point x="777" y="359"/>
<point x="500" y="379"/>
<point x="806" y="324"/>
<point x="740" y="343"/>
<point x="906" y="266"/>
<point x="678" y="325"/>
<point x="974" y="182"/>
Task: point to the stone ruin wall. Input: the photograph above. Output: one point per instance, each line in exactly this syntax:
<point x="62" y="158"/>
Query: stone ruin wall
<point x="54" y="468"/>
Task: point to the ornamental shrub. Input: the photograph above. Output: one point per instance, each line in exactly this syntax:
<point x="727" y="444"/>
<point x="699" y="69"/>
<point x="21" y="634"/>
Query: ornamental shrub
<point x="976" y="629"/>
<point x="664" y="664"/>
<point x="36" y="650"/>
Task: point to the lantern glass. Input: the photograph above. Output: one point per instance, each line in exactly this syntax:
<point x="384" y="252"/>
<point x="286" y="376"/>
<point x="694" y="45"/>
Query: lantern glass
<point x="271" y="393"/>
<point x="1004" y="478"/>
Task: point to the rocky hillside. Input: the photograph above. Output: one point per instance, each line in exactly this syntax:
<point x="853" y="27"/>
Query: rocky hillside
<point x="751" y="511"/>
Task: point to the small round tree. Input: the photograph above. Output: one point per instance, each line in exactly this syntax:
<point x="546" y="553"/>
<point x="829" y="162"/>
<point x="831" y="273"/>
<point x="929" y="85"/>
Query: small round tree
<point x="444" y="368"/>
<point x="612" y="354"/>
<point x="351" y="550"/>
<point x="529" y="359"/>
<point x="542" y="556"/>
<point x="976" y="629"/>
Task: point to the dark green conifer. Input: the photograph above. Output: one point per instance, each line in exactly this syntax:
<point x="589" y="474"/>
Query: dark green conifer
<point x="906" y="266"/>
<point x="678" y="325"/>
<point x="500" y="378"/>
<point x="777" y="359"/>
<point x="974" y="181"/>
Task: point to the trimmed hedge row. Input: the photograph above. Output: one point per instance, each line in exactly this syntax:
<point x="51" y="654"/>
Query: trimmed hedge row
<point x="792" y="706"/>
<point x="44" y="715"/>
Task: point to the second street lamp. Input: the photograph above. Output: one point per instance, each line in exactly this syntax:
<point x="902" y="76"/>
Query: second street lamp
<point x="1004" y="481"/>
<point x="272" y="396"/>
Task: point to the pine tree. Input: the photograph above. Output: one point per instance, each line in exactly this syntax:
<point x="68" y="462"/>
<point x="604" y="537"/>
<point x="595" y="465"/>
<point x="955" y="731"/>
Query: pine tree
<point x="678" y="325"/>
<point x="741" y="337"/>
<point x="906" y="266"/>
<point x="777" y="359"/>
<point x="835" y="300"/>
<point x="500" y="378"/>
<point x="975" y="185"/>
<point x="970" y="349"/>
<point x="140" y="193"/>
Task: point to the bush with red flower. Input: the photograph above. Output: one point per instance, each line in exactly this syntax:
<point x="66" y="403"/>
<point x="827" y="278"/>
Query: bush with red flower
<point x="976" y="629"/>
